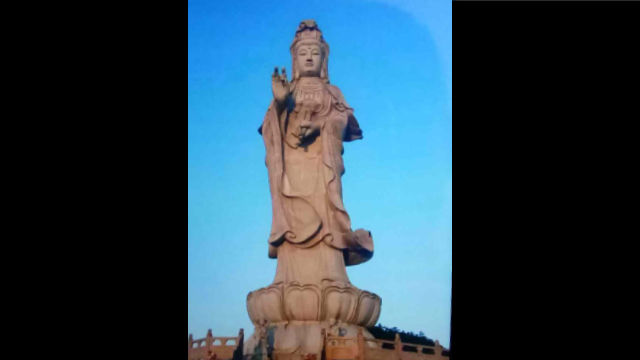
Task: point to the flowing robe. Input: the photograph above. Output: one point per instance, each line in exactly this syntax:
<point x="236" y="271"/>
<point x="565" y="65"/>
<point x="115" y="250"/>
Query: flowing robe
<point x="309" y="220"/>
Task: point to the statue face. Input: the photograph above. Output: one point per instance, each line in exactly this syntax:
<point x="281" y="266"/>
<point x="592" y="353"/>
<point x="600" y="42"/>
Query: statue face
<point x="308" y="59"/>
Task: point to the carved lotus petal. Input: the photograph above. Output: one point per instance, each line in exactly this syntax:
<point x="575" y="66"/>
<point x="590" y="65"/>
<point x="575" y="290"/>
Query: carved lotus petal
<point x="302" y="302"/>
<point x="310" y="302"/>
<point x="265" y="305"/>
<point x="339" y="303"/>
<point x="368" y="309"/>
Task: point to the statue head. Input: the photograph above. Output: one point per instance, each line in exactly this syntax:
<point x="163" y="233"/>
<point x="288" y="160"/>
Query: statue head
<point x="309" y="52"/>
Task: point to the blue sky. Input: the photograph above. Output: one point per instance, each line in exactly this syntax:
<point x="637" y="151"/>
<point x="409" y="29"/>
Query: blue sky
<point x="392" y="61"/>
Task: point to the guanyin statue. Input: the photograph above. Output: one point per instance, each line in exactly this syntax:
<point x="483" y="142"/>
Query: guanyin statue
<point x="311" y="236"/>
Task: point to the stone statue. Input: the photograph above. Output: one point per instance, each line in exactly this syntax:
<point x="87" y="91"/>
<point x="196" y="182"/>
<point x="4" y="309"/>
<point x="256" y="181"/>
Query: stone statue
<point x="311" y="235"/>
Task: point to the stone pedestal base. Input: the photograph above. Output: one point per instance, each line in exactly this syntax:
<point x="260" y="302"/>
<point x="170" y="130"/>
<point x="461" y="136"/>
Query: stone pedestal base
<point x="295" y="340"/>
<point x="291" y="319"/>
<point x="330" y="301"/>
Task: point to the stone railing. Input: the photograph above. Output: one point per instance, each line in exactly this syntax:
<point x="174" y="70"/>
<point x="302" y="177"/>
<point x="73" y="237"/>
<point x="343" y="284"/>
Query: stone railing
<point x="398" y="350"/>
<point x="359" y="348"/>
<point x="214" y="347"/>
<point x="341" y="347"/>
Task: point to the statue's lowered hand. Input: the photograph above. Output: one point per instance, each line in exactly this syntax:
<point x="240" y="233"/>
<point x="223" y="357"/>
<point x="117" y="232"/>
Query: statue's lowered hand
<point x="279" y="85"/>
<point x="308" y="131"/>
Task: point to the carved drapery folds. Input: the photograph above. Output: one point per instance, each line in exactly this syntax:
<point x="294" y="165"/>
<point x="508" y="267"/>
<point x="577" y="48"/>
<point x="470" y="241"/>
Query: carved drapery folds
<point x="311" y="234"/>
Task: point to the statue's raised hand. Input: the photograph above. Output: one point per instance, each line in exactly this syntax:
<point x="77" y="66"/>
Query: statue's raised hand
<point x="279" y="85"/>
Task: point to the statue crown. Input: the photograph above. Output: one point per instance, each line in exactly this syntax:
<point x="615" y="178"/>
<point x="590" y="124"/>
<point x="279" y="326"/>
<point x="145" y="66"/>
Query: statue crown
<point x="308" y="30"/>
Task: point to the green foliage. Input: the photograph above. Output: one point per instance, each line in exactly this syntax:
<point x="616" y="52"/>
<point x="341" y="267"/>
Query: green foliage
<point x="384" y="333"/>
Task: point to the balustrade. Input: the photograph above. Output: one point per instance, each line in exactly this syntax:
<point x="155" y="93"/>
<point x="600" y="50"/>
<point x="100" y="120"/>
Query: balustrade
<point x="218" y="347"/>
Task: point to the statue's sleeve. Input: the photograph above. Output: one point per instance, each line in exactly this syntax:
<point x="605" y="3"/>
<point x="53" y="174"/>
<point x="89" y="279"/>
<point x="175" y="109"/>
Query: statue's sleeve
<point x="352" y="130"/>
<point x="270" y="131"/>
<point x="265" y="118"/>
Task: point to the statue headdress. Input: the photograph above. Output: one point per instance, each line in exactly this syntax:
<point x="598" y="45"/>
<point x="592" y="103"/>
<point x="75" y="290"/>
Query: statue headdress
<point x="308" y="31"/>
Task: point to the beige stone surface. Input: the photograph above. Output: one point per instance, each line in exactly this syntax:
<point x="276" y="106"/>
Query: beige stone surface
<point x="311" y="236"/>
<point x="214" y="347"/>
<point x="303" y="133"/>
<point x="337" y="344"/>
<point x="329" y="301"/>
